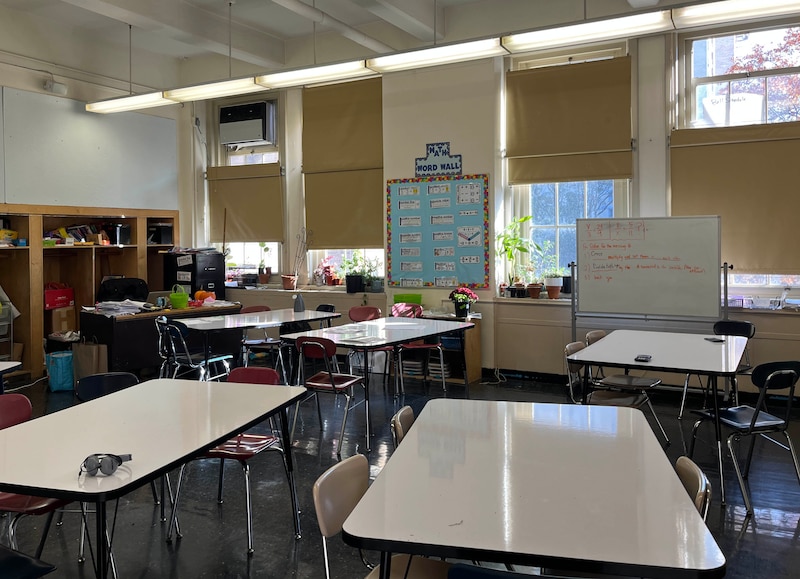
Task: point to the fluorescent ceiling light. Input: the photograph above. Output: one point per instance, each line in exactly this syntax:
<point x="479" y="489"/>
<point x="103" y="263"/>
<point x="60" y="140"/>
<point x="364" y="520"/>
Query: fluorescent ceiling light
<point x="731" y="10"/>
<point x="624" y="27"/>
<point x="437" y="55"/>
<point x="129" y="103"/>
<point x="214" y="90"/>
<point x="317" y="74"/>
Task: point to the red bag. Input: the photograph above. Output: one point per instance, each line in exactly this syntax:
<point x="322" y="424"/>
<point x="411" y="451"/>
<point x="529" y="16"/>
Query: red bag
<point x="58" y="295"/>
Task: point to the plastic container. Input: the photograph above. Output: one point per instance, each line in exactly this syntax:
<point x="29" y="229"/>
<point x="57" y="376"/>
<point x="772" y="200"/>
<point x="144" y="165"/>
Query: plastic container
<point x="59" y="371"/>
<point x="179" y="298"/>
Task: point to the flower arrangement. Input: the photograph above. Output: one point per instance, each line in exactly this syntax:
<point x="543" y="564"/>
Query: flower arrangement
<point x="463" y="295"/>
<point x="325" y="268"/>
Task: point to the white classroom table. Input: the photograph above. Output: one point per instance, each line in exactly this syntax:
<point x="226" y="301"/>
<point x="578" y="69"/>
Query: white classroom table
<point x="671" y="352"/>
<point x="161" y="423"/>
<point x="4" y="368"/>
<point x="570" y="487"/>
<point x="382" y="332"/>
<point x="256" y="320"/>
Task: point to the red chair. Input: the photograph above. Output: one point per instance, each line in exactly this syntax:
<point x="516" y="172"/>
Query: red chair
<point x="364" y="314"/>
<point x="329" y="380"/>
<point x="242" y="448"/>
<point x="16" y="409"/>
<point x="405" y="310"/>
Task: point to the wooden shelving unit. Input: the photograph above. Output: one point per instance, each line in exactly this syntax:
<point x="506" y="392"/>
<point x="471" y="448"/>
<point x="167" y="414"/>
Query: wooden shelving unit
<point x="24" y="271"/>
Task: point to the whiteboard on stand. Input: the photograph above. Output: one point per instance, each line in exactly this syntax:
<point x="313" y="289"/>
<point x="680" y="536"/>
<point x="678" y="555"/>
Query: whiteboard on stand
<point x="658" y="266"/>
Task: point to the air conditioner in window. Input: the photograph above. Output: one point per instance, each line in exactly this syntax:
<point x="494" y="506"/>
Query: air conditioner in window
<point x="250" y="124"/>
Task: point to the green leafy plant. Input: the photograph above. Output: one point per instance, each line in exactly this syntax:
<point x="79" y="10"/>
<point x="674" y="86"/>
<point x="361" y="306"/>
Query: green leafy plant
<point x="264" y="251"/>
<point x="358" y="264"/>
<point x="511" y="244"/>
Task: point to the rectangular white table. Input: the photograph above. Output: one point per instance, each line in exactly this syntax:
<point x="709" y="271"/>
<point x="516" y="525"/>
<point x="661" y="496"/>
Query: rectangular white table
<point x="161" y="423"/>
<point x="7" y="366"/>
<point x="671" y="352"/>
<point x="256" y="320"/>
<point x="570" y="487"/>
<point x="380" y="333"/>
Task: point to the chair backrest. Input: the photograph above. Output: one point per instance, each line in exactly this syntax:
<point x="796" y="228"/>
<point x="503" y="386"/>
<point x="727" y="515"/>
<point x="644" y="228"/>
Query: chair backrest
<point x="326" y="308"/>
<point x="400" y="424"/>
<point x="364" y="313"/>
<point x="315" y="348"/>
<point x="734" y="328"/>
<point x="174" y="333"/>
<point x="254" y="375"/>
<point x="97" y="385"/>
<point x="337" y="492"/>
<point x="695" y="482"/>
<point x="15" y="408"/>
<point x="573" y="368"/>
<point x="406" y="310"/>
<point x="771" y="377"/>
<point x="255" y="309"/>
<point x="594" y="336"/>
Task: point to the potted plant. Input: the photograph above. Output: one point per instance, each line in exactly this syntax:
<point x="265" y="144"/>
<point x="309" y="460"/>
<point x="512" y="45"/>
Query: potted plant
<point x="264" y="272"/>
<point x="553" y="281"/>
<point x="463" y="297"/>
<point x="511" y="244"/>
<point x="355" y="270"/>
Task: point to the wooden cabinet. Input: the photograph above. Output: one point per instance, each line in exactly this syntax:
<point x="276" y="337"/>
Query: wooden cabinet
<point x="24" y="271"/>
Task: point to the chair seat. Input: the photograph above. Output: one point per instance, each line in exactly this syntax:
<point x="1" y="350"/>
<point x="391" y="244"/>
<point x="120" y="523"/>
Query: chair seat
<point x="30" y="505"/>
<point x="630" y="382"/>
<point x="615" y="398"/>
<point x="19" y="565"/>
<point x="200" y="358"/>
<point x="322" y="381"/>
<point x="243" y="447"/>
<point x="740" y="417"/>
<point x="264" y="342"/>
<point x="419" y="346"/>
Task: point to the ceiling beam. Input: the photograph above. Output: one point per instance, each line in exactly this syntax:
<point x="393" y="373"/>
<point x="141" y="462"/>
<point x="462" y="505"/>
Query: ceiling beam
<point x="416" y="17"/>
<point x="183" y="23"/>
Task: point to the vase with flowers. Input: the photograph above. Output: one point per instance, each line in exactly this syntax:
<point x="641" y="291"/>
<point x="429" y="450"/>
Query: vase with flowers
<point x="463" y="297"/>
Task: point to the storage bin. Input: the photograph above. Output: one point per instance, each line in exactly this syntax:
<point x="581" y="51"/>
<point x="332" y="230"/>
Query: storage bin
<point x="59" y="371"/>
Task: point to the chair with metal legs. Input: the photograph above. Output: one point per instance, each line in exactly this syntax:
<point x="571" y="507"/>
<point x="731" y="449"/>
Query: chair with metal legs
<point x="772" y="378"/>
<point x="406" y="310"/>
<point x="243" y="448"/>
<point x="267" y="344"/>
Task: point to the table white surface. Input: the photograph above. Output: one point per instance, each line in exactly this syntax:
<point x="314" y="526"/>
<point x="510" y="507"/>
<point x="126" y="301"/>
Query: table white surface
<point x="380" y="333"/>
<point x="564" y="486"/>
<point x="270" y="319"/>
<point x="670" y="351"/>
<point x="161" y="423"/>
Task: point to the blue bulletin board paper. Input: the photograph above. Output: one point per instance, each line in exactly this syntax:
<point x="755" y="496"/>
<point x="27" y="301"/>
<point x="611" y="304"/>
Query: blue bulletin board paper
<point x="438" y="231"/>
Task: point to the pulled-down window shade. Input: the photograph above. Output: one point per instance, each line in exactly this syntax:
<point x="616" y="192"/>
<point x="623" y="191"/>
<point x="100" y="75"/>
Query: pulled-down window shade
<point x="246" y="203"/>
<point x="343" y="165"/>
<point x="748" y="176"/>
<point x="569" y="123"/>
<point x="344" y="210"/>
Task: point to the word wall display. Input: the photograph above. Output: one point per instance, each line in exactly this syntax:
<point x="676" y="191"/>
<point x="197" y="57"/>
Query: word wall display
<point x="438" y="231"/>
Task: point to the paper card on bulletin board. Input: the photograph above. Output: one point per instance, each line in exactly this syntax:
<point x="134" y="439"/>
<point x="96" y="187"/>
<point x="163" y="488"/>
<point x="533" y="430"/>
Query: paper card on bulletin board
<point x="437" y="231"/>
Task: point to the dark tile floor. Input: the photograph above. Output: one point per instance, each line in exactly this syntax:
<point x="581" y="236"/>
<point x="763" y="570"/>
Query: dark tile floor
<point x="214" y="536"/>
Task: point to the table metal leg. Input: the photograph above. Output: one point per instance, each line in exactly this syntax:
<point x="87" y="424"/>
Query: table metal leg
<point x="463" y="342"/>
<point x="712" y="386"/>
<point x="386" y="565"/>
<point x="287" y="453"/>
<point x="101" y="571"/>
<point x="366" y="396"/>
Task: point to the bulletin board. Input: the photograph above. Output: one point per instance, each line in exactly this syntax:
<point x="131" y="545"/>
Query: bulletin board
<point x="437" y="231"/>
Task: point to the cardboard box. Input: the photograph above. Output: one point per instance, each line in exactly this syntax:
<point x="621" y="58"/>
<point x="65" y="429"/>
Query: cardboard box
<point x="62" y="320"/>
<point x="59" y="298"/>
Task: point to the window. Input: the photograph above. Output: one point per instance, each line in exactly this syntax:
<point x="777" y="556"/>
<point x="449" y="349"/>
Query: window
<point x="556" y="206"/>
<point x="743" y="78"/>
<point x="318" y="259"/>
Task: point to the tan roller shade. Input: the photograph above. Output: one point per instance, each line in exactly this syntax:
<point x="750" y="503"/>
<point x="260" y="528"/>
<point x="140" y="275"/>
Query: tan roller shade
<point x="246" y="202"/>
<point x="568" y="123"/>
<point x="343" y="127"/>
<point x="748" y="176"/>
<point x="344" y="210"/>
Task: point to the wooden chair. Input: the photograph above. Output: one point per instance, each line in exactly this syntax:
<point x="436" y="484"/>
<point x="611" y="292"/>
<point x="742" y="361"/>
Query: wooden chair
<point x="616" y="390"/>
<point x="336" y="493"/>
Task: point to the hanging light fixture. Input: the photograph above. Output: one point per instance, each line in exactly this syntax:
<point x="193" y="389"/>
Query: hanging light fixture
<point x="132" y="102"/>
<point x="732" y="10"/>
